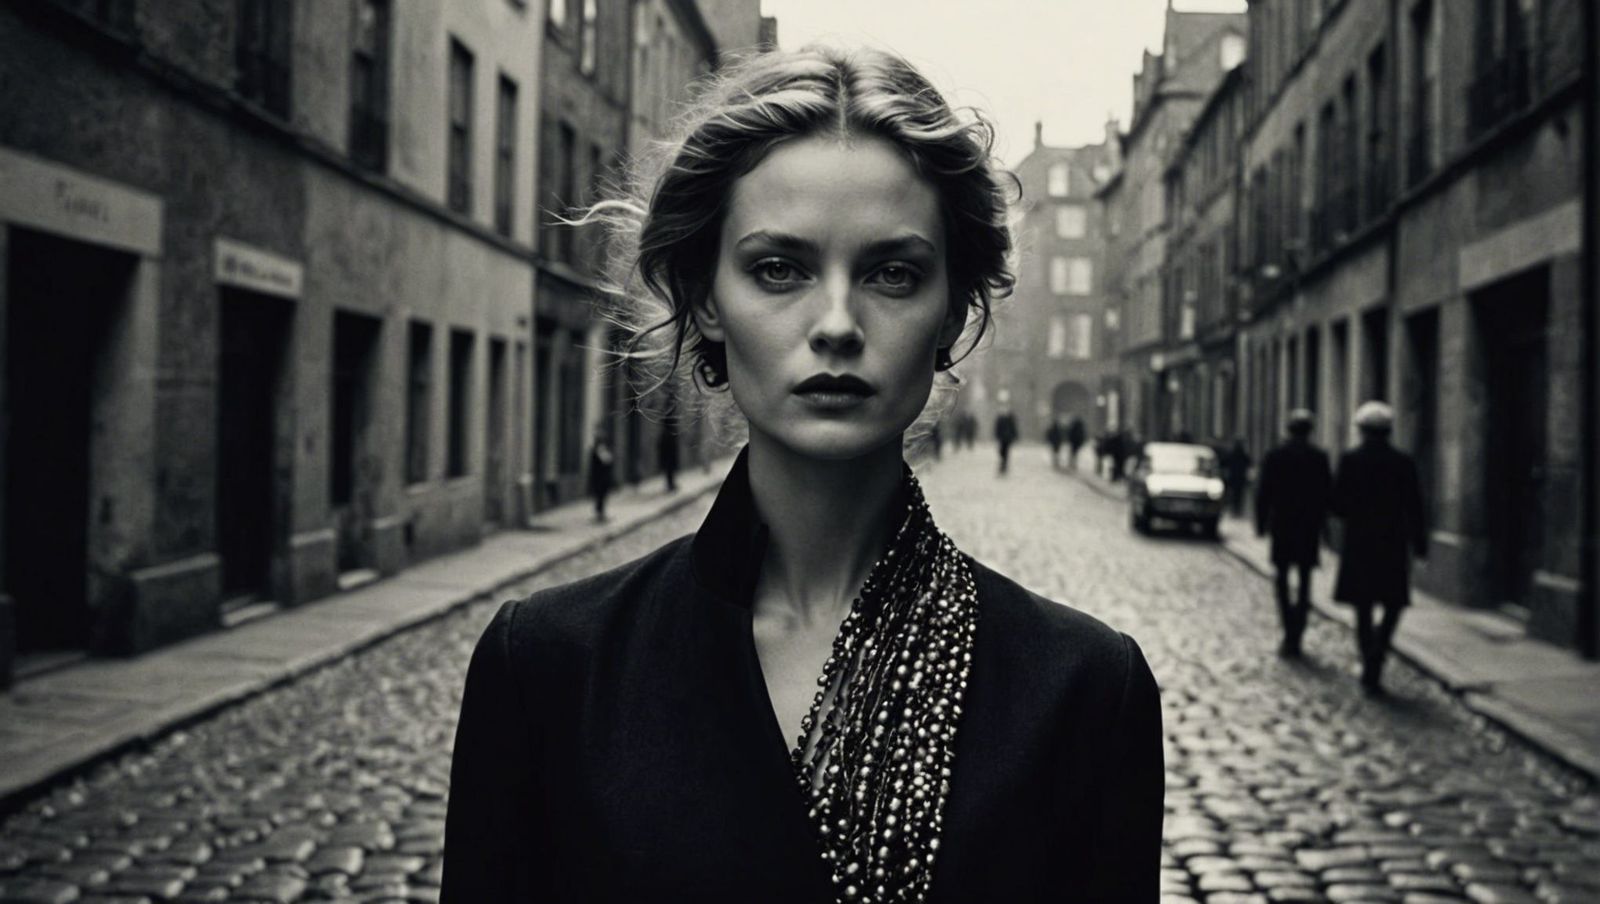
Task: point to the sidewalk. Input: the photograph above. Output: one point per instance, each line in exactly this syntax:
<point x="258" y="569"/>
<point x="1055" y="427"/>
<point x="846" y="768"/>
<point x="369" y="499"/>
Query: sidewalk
<point x="1535" y="690"/>
<point x="60" y="722"/>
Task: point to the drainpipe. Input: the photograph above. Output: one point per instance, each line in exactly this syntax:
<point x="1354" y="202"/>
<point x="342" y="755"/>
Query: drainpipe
<point x="1589" y="566"/>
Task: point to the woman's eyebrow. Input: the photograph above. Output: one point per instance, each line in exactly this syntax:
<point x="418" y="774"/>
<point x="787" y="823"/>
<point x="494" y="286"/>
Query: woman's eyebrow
<point x="784" y="241"/>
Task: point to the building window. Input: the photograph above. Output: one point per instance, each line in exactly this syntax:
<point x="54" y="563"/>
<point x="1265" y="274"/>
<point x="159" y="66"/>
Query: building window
<point x="261" y="57"/>
<point x="419" y="393"/>
<point x="461" y="74"/>
<point x="1080" y="341"/>
<point x="1113" y="319"/>
<point x="1377" y="180"/>
<point x="1059" y="181"/>
<point x="570" y="403"/>
<point x="1080" y="276"/>
<point x="1072" y="222"/>
<point x="1058" y="275"/>
<point x="369" y="86"/>
<point x="588" y="36"/>
<point x="557" y="13"/>
<point x="460" y="400"/>
<point x="1424" y="91"/>
<point x="1056" y="346"/>
<point x="1500" y="84"/>
<point x="566" y="188"/>
<point x="505" y="156"/>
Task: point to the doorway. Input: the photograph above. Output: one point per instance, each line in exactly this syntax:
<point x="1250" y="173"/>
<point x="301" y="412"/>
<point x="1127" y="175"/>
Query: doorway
<point x="62" y="301"/>
<point x="253" y="338"/>
<point x="1512" y="323"/>
<point x="352" y="473"/>
<point x="494" y="474"/>
<point x="1421" y="402"/>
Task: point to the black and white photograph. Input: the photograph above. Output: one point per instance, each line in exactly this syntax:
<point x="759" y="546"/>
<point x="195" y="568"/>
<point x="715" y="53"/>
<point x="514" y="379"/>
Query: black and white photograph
<point x="936" y="451"/>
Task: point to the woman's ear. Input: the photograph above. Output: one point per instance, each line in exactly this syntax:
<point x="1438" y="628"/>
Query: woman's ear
<point x="707" y="320"/>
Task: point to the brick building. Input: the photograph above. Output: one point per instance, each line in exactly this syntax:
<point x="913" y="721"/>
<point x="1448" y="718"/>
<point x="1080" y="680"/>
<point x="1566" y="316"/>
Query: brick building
<point x="1413" y="184"/>
<point x="266" y="282"/>
<point x="1049" y="350"/>
<point x="1169" y="91"/>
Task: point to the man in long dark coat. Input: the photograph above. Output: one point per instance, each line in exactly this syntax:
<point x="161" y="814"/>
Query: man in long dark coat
<point x="1379" y="497"/>
<point x="1292" y="504"/>
<point x="1076" y="434"/>
<point x="1005" y="433"/>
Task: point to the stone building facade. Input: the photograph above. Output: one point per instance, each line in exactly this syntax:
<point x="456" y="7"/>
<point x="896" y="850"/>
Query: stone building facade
<point x="266" y="283"/>
<point x="1049" y="353"/>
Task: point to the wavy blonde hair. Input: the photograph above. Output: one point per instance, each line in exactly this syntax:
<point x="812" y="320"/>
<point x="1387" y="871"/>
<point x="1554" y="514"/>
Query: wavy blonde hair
<point x="664" y="222"/>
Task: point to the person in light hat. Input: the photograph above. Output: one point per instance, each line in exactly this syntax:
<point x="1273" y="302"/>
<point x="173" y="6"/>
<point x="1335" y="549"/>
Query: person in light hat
<point x="1292" y="505"/>
<point x="1379" y="498"/>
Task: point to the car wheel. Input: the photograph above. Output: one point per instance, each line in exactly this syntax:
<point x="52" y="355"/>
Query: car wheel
<point x="1139" y="520"/>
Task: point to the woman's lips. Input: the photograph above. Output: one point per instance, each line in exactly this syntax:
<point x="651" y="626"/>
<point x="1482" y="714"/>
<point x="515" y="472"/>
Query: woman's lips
<point x="833" y="393"/>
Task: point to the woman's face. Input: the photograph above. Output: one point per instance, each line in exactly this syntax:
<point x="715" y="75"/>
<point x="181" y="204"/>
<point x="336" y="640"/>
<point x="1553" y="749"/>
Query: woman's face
<point x="831" y="296"/>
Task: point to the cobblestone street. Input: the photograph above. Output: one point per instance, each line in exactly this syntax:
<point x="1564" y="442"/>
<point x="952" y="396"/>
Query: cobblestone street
<point x="1284" y="782"/>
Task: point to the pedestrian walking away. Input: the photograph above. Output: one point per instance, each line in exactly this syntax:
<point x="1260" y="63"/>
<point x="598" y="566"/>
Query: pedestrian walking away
<point x="1378" y="497"/>
<point x="1292" y="506"/>
<point x="1076" y="435"/>
<point x="1005" y="433"/>
<point x="602" y="476"/>
<point x="1236" y="475"/>
<point x="642" y="732"/>
<point x="667" y="454"/>
<point x="1054" y="435"/>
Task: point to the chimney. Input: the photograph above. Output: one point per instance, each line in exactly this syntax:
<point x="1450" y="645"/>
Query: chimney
<point x="1038" y="133"/>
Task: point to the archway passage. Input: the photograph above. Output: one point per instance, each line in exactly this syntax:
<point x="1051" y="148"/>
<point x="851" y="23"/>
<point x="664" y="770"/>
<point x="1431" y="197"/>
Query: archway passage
<point x="1071" y="399"/>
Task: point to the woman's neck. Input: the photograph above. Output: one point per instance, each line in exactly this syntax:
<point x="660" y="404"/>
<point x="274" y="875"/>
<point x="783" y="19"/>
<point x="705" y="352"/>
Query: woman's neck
<point x="827" y="523"/>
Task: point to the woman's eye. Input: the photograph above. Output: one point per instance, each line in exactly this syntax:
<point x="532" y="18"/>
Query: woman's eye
<point x="897" y="278"/>
<point x="775" y="273"/>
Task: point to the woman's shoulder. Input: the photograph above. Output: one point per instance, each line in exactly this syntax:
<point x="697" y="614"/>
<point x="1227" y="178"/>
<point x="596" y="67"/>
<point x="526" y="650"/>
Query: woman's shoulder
<point x="580" y="613"/>
<point x="1048" y="633"/>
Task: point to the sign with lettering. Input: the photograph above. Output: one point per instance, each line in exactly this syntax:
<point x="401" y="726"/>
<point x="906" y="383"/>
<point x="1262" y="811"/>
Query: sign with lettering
<point x="251" y="268"/>
<point x="49" y="197"/>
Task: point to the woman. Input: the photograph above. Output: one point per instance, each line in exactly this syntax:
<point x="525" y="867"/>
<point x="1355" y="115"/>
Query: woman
<point x="813" y="249"/>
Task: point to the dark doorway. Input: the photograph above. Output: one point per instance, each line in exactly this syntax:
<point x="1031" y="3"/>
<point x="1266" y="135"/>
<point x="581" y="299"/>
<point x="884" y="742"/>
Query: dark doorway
<point x="1421" y="401"/>
<point x="543" y="415"/>
<point x="253" y="337"/>
<point x="494" y="474"/>
<point x="1512" y="322"/>
<point x="1313" y="382"/>
<point x="61" y="299"/>
<point x="352" y="478"/>
<point x="1375" y="356"/>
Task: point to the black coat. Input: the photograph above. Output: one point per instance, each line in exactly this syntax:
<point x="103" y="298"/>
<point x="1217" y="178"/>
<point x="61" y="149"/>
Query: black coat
<point x="1379" y="497"/>
<point x="617" y="743"/>
<point x="1292" y="501"/>
<point x="1005" y="429"/>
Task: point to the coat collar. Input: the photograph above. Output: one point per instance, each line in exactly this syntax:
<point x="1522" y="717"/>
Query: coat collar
<point x="728" y="548"/>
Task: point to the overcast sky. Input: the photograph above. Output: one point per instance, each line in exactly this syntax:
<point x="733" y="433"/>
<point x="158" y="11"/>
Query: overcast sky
<point x="1069" y="63"/>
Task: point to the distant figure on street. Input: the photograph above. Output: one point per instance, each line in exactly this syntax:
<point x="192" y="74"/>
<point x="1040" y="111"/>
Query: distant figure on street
<point x="1379" y="498"/>
<point x="667" y="455"/>
<point x="1076" y="435"/>
<point x="1100" y="451"/>
<point x="601" y="478"/>
<point x="1005" y="433"/>
<point x="937" y="441"/>
<point x="1236" y="475"/>
<point x="1055" y="436"/>
<point x="1292" y="505"/>
<point x="1122" y="446"/>
<point x="972" y="430"/>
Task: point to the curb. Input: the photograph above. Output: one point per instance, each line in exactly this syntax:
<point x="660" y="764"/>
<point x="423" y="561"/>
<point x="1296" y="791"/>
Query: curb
<point x="14" y="799"/>
<point x="1536" y="732"/>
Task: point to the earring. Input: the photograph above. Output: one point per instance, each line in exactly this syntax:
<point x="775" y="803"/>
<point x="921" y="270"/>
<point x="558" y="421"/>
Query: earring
<point x="941" y="360"/>
<point x="710" y="375"/>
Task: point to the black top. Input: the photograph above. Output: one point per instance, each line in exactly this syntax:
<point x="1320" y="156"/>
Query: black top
<point x="617" y="743"/>
<point x="1379" y="497"/>
<point x="1292" y="501"/>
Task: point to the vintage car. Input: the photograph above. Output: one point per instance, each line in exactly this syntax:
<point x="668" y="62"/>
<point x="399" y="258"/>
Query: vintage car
<point x="1177" y="482"/>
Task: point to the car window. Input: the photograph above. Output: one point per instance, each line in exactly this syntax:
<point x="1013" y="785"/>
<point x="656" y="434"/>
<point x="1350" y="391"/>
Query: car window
<point x="1183" y="461"/>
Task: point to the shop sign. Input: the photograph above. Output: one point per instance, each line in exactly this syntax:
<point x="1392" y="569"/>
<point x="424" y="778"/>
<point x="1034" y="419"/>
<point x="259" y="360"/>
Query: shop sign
<point x="251" y="268"/>
<point x="49" y="197"/>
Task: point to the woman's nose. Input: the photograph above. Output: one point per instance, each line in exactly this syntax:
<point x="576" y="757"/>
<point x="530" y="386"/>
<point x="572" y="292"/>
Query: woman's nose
<point x="836" y="328"/>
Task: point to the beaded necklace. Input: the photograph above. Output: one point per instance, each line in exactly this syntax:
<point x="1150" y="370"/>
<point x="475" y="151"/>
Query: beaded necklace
<point x="875" y="750"/>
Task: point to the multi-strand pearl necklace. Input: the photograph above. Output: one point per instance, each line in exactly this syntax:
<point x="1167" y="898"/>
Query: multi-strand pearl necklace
<point x="875" y="752"/>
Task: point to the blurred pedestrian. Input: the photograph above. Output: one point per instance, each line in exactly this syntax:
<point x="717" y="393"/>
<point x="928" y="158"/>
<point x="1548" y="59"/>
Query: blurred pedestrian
<point x="937" y="441"/>
<point x="972" y="430"/>
<point x="1054" y="436"/>
<point x="1076" y="434"/>
<point x="1005" y="433"/>
<point x="1379" y="498"/>
<point x="601" y="475"/>
<point x="1122" y="447"/>
<point x="1292" y="505"/>
<point x="667" y="455"/>
<point x="1236" y="475"/>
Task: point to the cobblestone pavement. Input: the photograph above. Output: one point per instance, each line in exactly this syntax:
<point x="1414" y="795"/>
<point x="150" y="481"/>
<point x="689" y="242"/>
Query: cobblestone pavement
<point x="1284" y="783"/>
